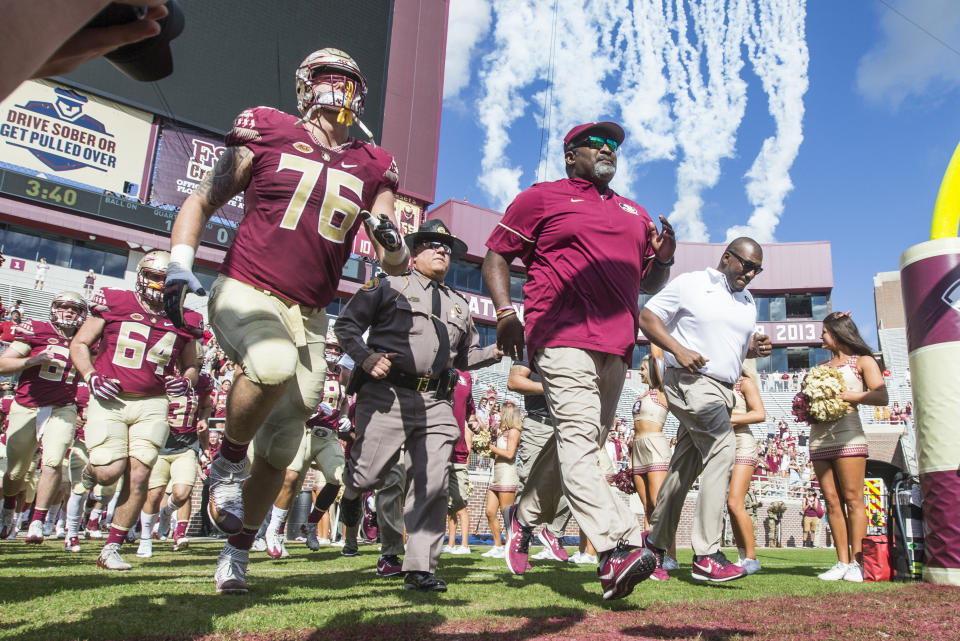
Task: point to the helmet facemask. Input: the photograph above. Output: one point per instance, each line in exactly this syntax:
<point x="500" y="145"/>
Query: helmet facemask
<point x="344" y="88"/>
<point x="68" y="311"/>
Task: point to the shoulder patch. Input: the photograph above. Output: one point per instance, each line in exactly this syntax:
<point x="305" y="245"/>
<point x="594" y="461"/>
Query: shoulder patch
<point x="371" y="285"/>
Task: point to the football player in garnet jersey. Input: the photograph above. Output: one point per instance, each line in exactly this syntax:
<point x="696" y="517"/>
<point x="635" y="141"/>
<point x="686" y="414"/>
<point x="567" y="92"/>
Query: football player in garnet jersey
<point x="320" y="446"/>
<point x="177" y="465"/>
<point x="139" y="354"/>
<point x="306" y="183"/>
<point x="44" y="404"/>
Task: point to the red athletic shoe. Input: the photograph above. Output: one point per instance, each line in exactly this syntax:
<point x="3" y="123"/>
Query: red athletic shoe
<point x="389" y="565"/>
<point x="551" y="543"/>
<point x="658" y="574"/>
<point x="518" y="541"/>
<point x="715" y="568"/>
<point x="624" y="566"/>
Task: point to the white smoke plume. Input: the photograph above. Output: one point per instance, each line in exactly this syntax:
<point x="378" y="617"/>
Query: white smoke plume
<point x="669" y="71"/>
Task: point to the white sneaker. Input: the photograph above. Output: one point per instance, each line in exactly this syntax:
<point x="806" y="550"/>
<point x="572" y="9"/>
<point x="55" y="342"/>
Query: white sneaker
<point x="275" y="545"/>
<point x="60" y="531"/>
<point x="259" y="544"/>
<point x="585" y="559"/>
<point x="145" y="549"/>
<point x="163" y="523"/>
<point x="110" y="558"/>
<point x="231" y="576"/>
<point x="835" y="573"/>
<point x="48" y="528"/>
<point x="670" y="563"/>
<point x="496" y="552"/>
<point x="323" y="541"/>
<point x="750" y="566"/>
<point x="460" y="549"/>
<point x="35" y="532"/>
<point x="854" y="573"/>
<point x="338" y="544"/>
<point x="544" y="555"/>
<point x="446" y="549"/>
<point x="575" y="557"/>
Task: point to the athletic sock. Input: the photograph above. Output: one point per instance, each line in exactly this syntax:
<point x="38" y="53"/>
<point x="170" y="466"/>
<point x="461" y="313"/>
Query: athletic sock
<point x="244" y="539"/>
<point x="233" y="452"/>
<point x="39" y="515"/>
<point x="117" y="534"/>
<point x="146" y="525"/>
<point x="74" y="514"/>
<point x="277" y="518"/>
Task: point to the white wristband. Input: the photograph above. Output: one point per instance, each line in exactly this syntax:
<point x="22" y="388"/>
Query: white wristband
<point x="399" y="257"/>
<point x="183" y="255"/>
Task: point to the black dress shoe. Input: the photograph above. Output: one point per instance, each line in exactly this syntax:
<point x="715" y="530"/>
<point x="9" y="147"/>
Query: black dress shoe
<point x="424" y="581"/>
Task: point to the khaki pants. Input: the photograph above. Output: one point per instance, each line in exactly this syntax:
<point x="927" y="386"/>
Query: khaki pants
<point x="532" y="439"/>
<point x="387" y="418"/>
<point x="705" y="443"/>
<point x="389" y="502"/>
<point x="582" y="388"/>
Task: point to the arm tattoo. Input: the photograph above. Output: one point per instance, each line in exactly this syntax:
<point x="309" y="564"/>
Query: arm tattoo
<point x="229" y="177"/>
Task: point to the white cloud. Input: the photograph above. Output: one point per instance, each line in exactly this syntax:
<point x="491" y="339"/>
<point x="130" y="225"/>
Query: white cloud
<point x="670" y="72"/>
<point x="908" y="60"/>
<point x="468" y="23"/>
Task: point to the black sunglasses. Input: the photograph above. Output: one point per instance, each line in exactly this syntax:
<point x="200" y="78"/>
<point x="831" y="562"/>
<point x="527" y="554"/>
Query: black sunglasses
<point x="437" y="246"/>
<point x="748" y="266"/>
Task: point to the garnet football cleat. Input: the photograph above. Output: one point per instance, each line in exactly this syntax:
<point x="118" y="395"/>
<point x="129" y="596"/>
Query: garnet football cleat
<point x="110" y="558"/>
<point x="71" y="544"/>
<point x="276" y="549"/>
<point x="35" y="532"/>
<point x="226" y="495"/>
<point x="231" y="576"/>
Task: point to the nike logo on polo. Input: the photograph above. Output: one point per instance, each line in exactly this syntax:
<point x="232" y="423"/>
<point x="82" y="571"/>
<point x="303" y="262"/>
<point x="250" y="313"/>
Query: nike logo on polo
<point x="576" y="200"/>
<point x="346" y="166"/>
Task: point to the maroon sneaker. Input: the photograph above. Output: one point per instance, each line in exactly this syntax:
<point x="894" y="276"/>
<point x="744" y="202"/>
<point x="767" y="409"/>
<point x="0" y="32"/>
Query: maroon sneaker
<point x="551" y="544"/>
<point x="715" y="568"/>
<point x="624" y="566"/>
<point x="658" y="574"/>
<point x="518" y="541"/>
<point x="389" y="565"/>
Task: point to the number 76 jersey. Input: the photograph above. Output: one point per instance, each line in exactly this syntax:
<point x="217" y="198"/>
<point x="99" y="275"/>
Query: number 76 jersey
<point x="138" y="347"/>
<point x="301" y="208"/>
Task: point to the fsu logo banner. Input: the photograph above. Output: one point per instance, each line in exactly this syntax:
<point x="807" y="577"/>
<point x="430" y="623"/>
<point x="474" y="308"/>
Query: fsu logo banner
<point x="183" y="156"/>
<point x="74" y="136"/>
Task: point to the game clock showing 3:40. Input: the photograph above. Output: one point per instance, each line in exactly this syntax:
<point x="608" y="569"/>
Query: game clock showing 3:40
<point x="50" y="192"/>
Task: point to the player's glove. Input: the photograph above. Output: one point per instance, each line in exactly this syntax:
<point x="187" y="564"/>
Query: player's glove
<point x="106" y="389"/>
<point x="177" y="385"/>
<point x="387" y="235"/>
<point x="344" y="426"/>
<point x="179" y="281"/>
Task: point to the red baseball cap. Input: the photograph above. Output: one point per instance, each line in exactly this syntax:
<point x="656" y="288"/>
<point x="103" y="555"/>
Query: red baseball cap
<point x="608" y="129"/>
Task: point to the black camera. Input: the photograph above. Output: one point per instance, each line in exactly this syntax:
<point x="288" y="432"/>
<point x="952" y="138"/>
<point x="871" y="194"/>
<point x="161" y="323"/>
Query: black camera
<point x="150" y="59"/>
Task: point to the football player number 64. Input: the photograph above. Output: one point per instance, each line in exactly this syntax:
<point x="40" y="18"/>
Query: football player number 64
<point x="333" y="202"/>
<point x="130" y="351"/>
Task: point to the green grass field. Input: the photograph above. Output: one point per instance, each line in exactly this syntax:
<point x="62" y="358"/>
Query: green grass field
<point x="48" y="594"/>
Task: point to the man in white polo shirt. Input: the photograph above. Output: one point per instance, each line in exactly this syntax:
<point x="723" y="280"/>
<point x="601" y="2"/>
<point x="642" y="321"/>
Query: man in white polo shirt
<point x="705" y="323"/>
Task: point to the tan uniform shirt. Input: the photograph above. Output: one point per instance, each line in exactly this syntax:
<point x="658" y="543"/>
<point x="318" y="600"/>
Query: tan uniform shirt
<point x="397" y="310"/>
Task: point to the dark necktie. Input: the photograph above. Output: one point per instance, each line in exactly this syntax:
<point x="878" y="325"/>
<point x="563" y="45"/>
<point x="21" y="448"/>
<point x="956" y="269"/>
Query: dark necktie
<point x="443" y="352"/>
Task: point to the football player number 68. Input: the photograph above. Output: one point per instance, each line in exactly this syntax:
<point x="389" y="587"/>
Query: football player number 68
<point x="333" y="202"/>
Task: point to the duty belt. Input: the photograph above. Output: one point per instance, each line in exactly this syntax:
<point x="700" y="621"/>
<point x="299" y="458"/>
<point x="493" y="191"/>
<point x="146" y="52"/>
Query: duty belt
<point x="412" y="381"/>
<point x="546" y="420"/>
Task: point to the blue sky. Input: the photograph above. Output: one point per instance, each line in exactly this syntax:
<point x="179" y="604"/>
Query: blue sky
<point x="856" y="105"/>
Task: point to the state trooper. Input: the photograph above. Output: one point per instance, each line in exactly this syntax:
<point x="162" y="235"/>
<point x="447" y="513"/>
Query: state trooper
<point x="420" y="330"/>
